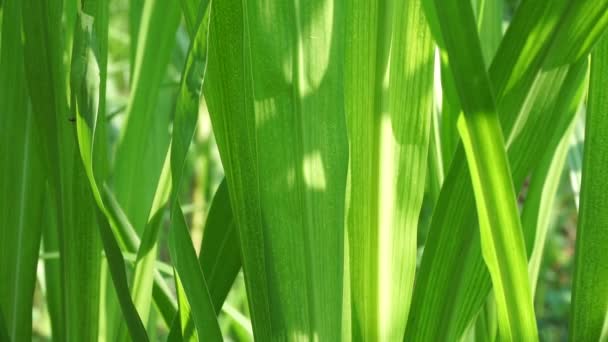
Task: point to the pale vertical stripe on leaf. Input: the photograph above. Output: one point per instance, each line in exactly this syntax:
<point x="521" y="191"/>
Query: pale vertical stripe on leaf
<point x="389" y="102"/>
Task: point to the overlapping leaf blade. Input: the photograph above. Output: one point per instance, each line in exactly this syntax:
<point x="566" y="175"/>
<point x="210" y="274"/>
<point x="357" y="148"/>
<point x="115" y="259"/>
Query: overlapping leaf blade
<point x="501" y="236"/>
<point x="451" y="235"/>
<point x="88" y="74"/>
<point x="185" y="262"/>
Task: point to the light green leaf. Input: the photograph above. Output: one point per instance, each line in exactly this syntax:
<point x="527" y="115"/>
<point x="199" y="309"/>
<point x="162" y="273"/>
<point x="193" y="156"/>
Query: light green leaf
<point x="389" y="102"/>
<point x="501" y="235"/>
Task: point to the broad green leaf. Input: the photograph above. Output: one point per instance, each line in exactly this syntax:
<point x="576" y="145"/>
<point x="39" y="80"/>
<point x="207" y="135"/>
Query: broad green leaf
<point x="590" y="282"/>
<point x="189" y="274"/>
<point x="389" y="103"/>
<point x="22" y="185"/>
<point x="275" y="72"/>
<point x="501" y="233"/>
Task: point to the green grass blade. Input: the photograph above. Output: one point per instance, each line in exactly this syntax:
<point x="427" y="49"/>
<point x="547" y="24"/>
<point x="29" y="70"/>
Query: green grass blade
<point x="590" y="282"/>
<point x="136" y="9"/>
<point x="454" y="290"/>
<point x="220" y="256"/>
<point x="538" y="207"/>
<point x="82" y="266"/>
<point x="80" y="262"/>
<point x="87" y="78"/>
<point x="143" y="279"/>
<point x="22" y="187"/>
<point x="501" y="234"/>
<point x="3" y="329"/>
<point x="389" y="126"/>
<point x="581" y="26"/>
<point x="188" y="270"/>
<point x="282" y="139"/>
<point x="129" y="241"/>
<point x="144" y="139"/>
<point x="52" y="270"/>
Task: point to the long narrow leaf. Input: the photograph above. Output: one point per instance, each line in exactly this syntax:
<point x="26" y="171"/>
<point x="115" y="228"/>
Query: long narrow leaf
<point x="22" y="182"/>
<point x="501" y="233"/>
<point x="183" y="255"/>
<point x="590" y="282"/>
<point x="87" y="95"/>
<point x="220" y="256"/>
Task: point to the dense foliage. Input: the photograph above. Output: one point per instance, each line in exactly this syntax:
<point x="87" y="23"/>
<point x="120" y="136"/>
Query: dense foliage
<point x="320" y="170"/>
